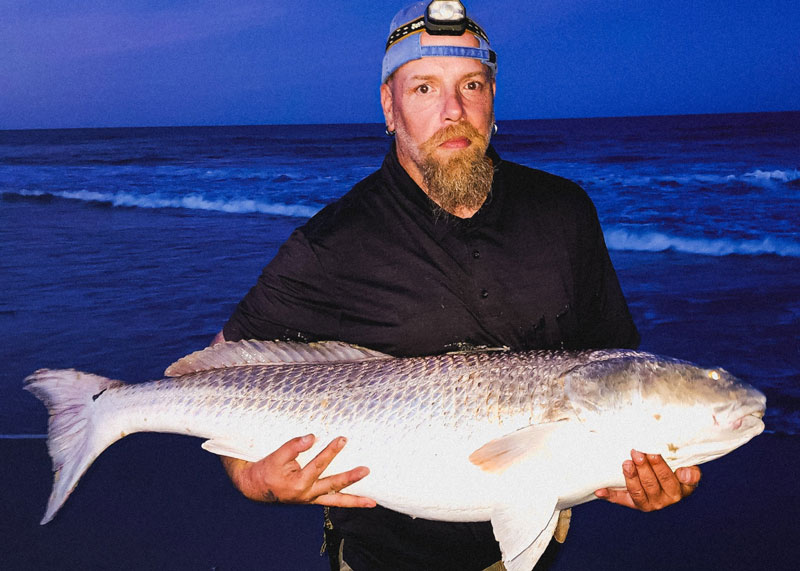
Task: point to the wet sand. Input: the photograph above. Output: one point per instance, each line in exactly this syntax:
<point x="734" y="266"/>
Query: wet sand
<point x="155" y="501"/>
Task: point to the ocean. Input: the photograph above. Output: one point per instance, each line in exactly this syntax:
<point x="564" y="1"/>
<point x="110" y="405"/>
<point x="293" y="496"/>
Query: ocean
<point x="124" y="249"/>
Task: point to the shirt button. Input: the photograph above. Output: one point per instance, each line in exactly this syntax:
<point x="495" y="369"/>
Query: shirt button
<point x="484" y="294"/>
<point x="476" y="254"/>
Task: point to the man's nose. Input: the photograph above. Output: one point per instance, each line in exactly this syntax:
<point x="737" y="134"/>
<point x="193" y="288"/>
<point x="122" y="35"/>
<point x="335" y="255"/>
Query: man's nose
<point x="453" y="109"/>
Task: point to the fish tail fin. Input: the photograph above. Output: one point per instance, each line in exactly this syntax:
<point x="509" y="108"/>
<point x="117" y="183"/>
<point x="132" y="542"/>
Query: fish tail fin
<point x="72" y="439"/>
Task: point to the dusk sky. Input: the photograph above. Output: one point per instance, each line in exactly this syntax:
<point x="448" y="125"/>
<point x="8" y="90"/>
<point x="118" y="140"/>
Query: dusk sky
<point x="143" y="63"/>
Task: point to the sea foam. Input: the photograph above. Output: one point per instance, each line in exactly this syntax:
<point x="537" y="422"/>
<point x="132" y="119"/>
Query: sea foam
<point x="190" y="202"/>
<point x="775" y="175"/>
<point x="625" y="239"/>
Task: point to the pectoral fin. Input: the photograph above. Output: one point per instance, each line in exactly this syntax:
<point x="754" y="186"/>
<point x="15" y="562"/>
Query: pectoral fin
<point x="499" y="454"/>
<point x="523" y="530"/>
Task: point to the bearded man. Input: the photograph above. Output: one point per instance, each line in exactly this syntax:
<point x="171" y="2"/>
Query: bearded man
<point x="445" y="247"/>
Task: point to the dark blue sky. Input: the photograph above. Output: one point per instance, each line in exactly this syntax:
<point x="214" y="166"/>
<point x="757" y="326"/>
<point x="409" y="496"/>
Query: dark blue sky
<point x="128" y="63"/>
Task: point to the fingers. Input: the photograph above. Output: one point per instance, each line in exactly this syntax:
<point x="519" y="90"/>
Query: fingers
<point x="633" y="495"/>
<point x="292" y="449"/>
<point x="344" y="501"/>
<point x="279" y="477"/>
<point x="326" y="491"/>
<point x="337" y="482"/>
<point x="333" y="484"/>
<point x="321" y="461"/>
<point x="689" y="479"/>
<point x="660" y="484"/>
<point x="616" y="496"/>
<point x="650" y="484"/>
<point x="303" y="485"/>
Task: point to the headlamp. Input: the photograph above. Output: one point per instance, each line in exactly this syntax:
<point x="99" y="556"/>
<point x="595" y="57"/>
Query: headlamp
<point x="445" y="18"/>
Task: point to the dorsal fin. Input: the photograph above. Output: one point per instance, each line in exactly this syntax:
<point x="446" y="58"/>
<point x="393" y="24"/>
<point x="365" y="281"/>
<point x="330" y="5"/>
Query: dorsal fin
<point x="238" y="353"/>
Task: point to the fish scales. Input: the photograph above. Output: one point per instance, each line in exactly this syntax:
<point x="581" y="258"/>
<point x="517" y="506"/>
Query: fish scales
<point x="513" y="438"/>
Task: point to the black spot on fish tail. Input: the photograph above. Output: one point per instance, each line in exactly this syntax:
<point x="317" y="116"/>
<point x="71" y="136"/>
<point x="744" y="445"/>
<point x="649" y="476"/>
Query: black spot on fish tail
<point x="97" y="396"/>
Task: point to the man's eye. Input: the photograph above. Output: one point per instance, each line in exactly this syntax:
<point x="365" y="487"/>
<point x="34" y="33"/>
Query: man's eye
<point x="423" y="89"/>
<point x="474" y="85"/>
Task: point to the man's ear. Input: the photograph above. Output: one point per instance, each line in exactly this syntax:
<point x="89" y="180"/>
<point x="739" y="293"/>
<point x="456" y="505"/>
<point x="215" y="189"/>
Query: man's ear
<point x="386" y="104"/>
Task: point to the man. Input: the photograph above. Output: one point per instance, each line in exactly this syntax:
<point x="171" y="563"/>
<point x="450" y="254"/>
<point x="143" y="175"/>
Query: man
<point x="445" y="247"/>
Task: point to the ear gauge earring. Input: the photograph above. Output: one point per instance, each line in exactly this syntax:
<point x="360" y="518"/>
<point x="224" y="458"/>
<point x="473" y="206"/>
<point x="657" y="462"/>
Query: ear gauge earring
<point x="389" y="133"/>
<point x="494" y="129"/>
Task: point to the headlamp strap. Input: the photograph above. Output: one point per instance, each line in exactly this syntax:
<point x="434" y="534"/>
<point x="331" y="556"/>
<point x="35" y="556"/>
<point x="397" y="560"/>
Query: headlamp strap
<point x="419" y="24"/>
<point x="486" y="56"/>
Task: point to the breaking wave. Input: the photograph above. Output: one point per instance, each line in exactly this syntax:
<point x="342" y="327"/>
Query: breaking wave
<point x="756" y="178"/>
<point x="190" y="202"/>
<point x="789" y="176"/>
<point x="623" y="239"/>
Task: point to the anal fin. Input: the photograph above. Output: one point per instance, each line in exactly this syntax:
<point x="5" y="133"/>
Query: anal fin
<point x="523" y="530"/>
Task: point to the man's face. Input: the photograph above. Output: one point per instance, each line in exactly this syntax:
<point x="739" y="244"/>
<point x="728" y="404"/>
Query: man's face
<point x="441" y="109"/>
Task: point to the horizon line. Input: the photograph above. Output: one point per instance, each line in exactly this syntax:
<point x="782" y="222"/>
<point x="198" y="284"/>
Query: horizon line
<point x="218" y="125"/>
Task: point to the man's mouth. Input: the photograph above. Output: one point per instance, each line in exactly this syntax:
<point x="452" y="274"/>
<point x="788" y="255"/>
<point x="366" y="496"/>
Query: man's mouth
<point x="456" y="143"/>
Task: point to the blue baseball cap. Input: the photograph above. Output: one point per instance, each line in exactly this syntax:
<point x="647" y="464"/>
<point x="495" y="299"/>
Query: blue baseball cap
<point x="441" y="18"/>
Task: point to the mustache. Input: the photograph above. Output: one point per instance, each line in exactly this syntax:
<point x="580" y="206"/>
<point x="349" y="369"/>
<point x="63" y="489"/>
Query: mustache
<point x="463" y="129"/>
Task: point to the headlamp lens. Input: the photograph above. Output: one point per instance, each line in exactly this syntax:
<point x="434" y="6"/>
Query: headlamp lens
<point x="445" y="17"/>
<point x="446" y="11"/>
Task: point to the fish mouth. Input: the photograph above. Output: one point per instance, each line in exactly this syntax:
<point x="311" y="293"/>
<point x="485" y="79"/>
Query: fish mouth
<point x="737" y="433"/>
<point x="749" y="421"/>
<point x="748" y="416"/>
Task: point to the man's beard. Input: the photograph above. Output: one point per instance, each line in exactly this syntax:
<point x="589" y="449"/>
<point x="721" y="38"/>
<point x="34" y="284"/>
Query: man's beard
<point x="463" y="180"/>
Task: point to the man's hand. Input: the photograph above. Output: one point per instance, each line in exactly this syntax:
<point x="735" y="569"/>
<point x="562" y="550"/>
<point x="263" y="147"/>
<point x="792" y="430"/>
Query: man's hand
<point x="651" y="485"/>
<point x="280" y="478"/>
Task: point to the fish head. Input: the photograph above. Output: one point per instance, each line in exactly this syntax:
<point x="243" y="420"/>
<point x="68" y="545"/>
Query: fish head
<point x="686" y="413"/>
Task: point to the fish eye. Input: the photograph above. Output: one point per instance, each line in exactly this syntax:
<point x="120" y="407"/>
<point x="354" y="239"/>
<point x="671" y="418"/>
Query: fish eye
<point x="713" y="375"/>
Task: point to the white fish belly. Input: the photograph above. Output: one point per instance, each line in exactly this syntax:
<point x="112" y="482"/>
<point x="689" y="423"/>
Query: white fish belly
<point x="421" y="469"/>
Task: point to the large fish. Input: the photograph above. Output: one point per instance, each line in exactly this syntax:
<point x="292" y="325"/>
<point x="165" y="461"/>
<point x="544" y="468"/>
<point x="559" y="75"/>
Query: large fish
<point x="509" y="437"/>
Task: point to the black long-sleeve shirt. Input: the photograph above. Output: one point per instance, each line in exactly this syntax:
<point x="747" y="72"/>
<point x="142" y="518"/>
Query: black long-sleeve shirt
<point x="384" y="268"/>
